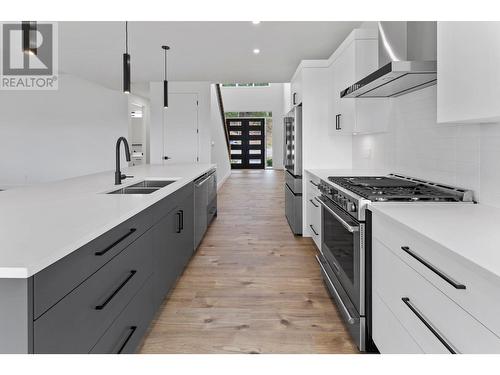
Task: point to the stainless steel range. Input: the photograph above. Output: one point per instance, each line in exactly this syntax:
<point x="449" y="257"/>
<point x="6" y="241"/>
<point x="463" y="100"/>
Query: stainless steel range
<point x="342" y="257"/>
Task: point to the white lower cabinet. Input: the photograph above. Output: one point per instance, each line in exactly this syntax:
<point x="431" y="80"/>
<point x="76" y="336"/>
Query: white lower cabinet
<point x="389" y="334"/>
<point x="411" y="315"/>
<point x="313" y="212"/>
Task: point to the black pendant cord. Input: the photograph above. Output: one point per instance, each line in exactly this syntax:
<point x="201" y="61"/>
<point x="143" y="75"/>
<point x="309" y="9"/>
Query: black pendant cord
<point x="126" y="37"/>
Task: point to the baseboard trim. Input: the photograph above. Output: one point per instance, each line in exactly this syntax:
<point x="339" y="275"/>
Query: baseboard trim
<point x="222" y="180"/>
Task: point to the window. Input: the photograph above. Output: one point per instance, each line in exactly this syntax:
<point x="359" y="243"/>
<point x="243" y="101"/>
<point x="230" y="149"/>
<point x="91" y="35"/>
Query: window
<point x="258" y="84"/>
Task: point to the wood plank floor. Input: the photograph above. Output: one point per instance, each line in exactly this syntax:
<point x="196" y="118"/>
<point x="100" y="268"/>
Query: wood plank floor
<point x="252" y="287"/>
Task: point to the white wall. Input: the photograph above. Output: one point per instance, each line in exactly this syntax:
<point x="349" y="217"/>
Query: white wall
<point x="250" y="99"/>
<point x="460" y="155"/>
<point x="219" y="153"/>
<point x="51" y="135"/>
<point x="202" y="89"/>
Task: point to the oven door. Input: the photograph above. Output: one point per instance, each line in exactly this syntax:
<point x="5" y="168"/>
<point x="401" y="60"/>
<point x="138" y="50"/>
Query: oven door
<point x="342" y="247"/>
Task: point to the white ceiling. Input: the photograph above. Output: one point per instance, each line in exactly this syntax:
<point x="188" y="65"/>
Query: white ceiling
<point x="200" y="51"/>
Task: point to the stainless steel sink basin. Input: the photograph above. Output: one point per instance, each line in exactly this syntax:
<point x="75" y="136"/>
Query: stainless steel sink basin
<point x="134" y="190"/>
<point x="153" y="183"/>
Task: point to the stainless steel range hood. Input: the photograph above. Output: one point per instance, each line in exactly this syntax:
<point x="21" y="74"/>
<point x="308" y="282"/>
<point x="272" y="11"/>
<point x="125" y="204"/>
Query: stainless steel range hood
<point x="407" y="60"/>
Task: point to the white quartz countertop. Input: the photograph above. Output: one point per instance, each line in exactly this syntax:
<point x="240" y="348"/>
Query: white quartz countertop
<point x="41" y="224"/>
<point x="471" y="231"/>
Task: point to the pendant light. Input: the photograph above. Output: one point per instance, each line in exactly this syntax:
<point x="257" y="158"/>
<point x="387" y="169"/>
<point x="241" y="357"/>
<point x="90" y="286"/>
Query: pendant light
<point x="126" y="64"/>
<point x="29" y="37"/>
<point x="165" y="82"/>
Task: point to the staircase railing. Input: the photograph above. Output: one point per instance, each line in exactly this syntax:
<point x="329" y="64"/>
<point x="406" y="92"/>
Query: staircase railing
<point x="223" y="116"/>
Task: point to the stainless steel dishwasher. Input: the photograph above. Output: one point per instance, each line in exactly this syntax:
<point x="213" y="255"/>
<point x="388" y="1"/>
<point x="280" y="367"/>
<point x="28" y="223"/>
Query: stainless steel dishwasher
<point x="205" y="204"/>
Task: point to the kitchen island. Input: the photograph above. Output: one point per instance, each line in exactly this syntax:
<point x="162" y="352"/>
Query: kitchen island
<point x="84" y="271"/>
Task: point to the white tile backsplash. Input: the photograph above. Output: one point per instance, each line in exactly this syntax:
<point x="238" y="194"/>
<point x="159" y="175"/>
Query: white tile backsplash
<point x="460" y="155"/>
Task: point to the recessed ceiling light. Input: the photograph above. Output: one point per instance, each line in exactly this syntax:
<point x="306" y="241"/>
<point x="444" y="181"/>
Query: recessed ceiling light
<point x="255" y="22"/>
<point x="256" y="51"/>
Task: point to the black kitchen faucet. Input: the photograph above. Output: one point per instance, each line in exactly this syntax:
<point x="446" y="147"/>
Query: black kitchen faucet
<point x="118" y="174"/>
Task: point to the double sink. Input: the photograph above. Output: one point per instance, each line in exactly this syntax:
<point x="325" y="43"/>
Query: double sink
<point x="143" y="187"/>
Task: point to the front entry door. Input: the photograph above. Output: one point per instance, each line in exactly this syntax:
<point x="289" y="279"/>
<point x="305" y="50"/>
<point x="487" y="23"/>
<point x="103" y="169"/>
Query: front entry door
<point x="246" y="139"/>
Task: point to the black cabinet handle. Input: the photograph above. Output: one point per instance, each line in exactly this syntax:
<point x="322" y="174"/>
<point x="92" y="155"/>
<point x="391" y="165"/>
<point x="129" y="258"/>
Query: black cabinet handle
<point x="179" y="221"/>
<point x="339" y="127"/>
<point x="102" y="252"/>
<point x="438" y="272"/>
<point x="108" y="300"/>
<point x="314" y="204"/>
<point x="294" y="98"/>
<point x="129" y="336"/>
<point x="312" y="228"/>
<point x="314" y="183"/>
<point x="421" y="317"/>
<point x="336" y="122"/>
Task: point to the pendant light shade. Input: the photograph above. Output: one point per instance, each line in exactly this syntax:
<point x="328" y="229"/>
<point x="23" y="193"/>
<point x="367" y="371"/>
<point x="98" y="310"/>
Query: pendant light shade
<point x="165" y="93"/>
<point x="165" y="81"/>
<point x="29" y="37"/>
<point x="126" y="64"/>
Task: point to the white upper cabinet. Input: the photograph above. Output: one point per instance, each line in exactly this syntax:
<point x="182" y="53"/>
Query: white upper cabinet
<point x="296" y="88"/>
<point x="357" y="58"/>
<point x="468" y="85"/>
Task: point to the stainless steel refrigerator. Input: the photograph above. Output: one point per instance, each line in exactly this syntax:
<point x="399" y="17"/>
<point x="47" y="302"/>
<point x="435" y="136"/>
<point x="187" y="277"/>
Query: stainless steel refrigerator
<point x="293" y="168"/>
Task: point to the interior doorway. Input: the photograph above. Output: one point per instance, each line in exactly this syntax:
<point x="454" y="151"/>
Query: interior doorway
<point x="137" y="135"/>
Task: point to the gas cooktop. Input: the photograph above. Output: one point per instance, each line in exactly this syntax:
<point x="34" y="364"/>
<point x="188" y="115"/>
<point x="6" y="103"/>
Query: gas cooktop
<point x="395" y="188"/>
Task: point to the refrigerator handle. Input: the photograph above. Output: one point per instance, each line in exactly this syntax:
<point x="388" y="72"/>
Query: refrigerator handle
<point x="285" y="131"/>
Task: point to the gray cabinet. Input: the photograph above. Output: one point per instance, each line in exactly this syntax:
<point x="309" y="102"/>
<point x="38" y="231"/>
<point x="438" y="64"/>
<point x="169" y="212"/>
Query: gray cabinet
<point x="56" y="281"/>
<point x="102" y="297"/>
<point x="76" y="323"/>
<point x="127" y="330"/>
<point x="173" y="243"/>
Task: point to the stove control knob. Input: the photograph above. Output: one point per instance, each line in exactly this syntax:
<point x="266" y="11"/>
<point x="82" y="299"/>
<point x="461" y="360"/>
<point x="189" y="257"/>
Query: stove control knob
<point x="351" y="207"/>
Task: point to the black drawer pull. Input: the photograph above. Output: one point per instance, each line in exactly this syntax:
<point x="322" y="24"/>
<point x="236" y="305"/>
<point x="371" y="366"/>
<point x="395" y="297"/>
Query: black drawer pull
<point x="129" y="336"/>
<point x="179" y="222"/>
<point x="312" y="228"/>
<point x="438" y="272"/>
<point x="314" y="183"/>
<point x="419" y="315"/>
<point x="314" y="204"/>
<point x="102" y="252"/>
<point x="108" y="300"/>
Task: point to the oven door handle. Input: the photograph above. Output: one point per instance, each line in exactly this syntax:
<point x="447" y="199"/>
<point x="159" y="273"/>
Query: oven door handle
<point x="344" y="223"/>
<point x="350" y="319"/>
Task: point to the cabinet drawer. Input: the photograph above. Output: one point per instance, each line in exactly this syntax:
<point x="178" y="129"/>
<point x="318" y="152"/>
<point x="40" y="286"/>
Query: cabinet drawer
<point x="388" y="333"/>
<point x="295" y="183"/>
<point x="127" y="330"/>
<point x="57" y="280"/>
<point x="480" y="296"/>
<point x="75" y="323"/>
<point x="436" y="323"/>
<point x="314" y="220"/>
<point x="312" y="185"/>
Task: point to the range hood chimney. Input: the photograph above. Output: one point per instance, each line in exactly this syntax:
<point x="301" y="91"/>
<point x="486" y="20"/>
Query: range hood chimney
<point x="407" y="61"/>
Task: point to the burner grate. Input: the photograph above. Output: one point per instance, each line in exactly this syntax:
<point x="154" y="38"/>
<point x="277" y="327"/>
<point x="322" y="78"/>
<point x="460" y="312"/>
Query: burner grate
<point x="390" y="189"/>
